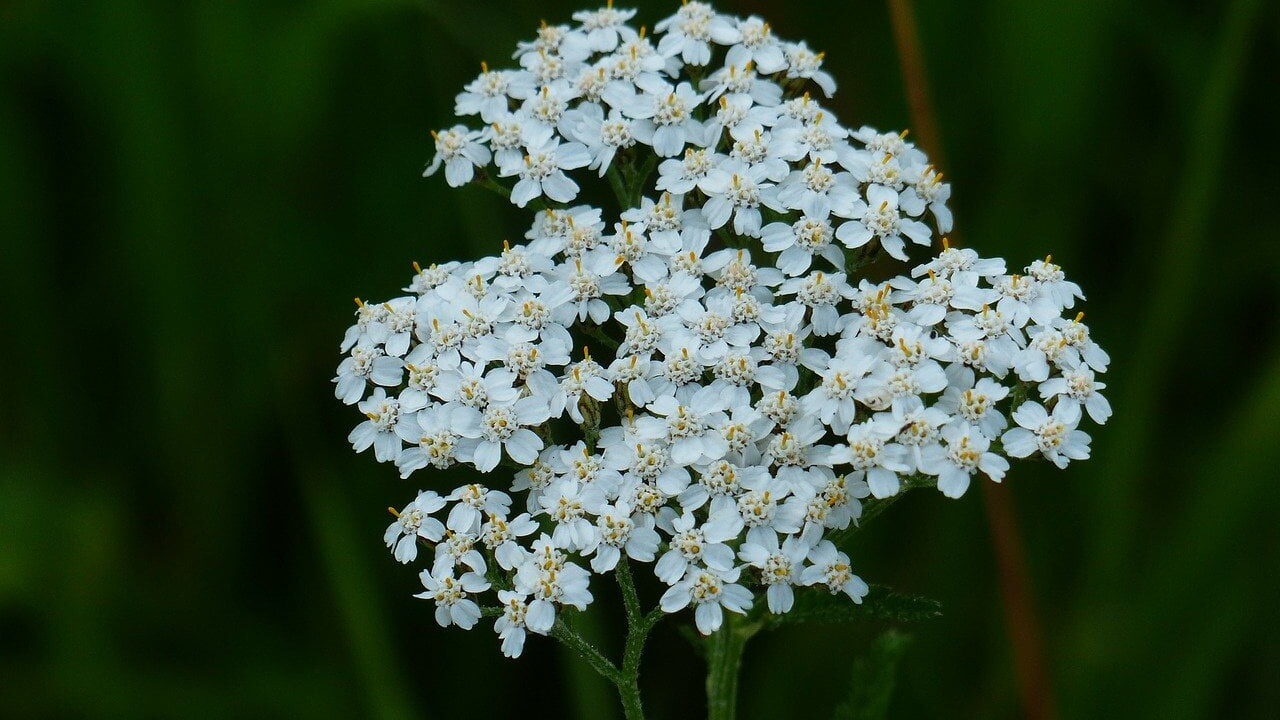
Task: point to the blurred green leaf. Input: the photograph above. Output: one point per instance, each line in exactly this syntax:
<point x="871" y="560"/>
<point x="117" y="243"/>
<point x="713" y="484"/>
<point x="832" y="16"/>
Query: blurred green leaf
<point x="881" y="603"/>
<point x="357" y="597"/>
<point x="1173" y="276"/>
<point x="873" y="678"/>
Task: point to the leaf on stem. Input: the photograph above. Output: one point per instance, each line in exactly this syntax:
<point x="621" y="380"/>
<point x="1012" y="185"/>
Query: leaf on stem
<point x="816" y="605"/>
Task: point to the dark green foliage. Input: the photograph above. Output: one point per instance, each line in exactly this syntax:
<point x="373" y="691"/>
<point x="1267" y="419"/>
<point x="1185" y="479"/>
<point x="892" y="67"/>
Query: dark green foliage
<point x="873" y="678"/>
<point x="817" y="605"/>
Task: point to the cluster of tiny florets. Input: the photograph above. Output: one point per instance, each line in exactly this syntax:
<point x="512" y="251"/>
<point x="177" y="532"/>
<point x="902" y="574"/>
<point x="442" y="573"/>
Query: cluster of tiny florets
<point x="701" y="382"/>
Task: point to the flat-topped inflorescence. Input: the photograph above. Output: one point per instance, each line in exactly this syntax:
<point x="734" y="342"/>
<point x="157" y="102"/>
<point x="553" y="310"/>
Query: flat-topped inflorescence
<point x="707" y="378"/>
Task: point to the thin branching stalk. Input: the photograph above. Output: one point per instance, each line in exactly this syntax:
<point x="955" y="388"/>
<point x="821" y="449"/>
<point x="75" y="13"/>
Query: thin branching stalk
<point x="596" y="659"/>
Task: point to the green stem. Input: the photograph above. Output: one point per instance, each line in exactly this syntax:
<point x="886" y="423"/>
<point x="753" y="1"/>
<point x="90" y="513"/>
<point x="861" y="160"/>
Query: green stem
<point x="598" y="333"/>
<point x="724" y="661"/>
<point x="598" y="662"/>
<point x="638" y="627"/>
<point x="620" y="189"/>
<point x="640" y="180"/>
<point x="630" y="599"/>
<point x="627" y="677"/>
<point x="486" y="181"/>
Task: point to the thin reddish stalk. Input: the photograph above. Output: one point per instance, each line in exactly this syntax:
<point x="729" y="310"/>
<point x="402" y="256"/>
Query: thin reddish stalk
<point x="1019" y="606"/>
<point x="1015" y="584"/>
<point x="903" y="19"/>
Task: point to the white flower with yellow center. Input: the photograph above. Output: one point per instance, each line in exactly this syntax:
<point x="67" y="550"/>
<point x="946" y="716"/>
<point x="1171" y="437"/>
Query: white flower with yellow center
<point x="680" y="176"/>
<point x="452" y="597"/>
<point x="412" y="522"/>
<point x="831" y="568"/>
<point x="365" y="365"/>
<point x="805" y="64"/>
<point x="1053" y="435"/>
<point x="1078" y="387"/>
<point x="966" y="452"/>
<point x="460" y="151"/>
<point x="870" y="449"/>
<point x="489" y="93"/>
<point x="503" y="427"/>
<point x="386" y="428"/>
<point x="665" y="119"/>
<point x="606" y="27"/>
<point x="881" y="220"/>
<point x="569" y="504"/>
<point x="781" y="567"/>
<point x="711" y="592"/>
<point x="541" y="171"/>
<point x="511" y="626"/>
<point x="756" y="43"/>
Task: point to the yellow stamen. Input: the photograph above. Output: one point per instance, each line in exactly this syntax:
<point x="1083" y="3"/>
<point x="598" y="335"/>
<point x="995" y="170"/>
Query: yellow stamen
<point x="1080" y="316"/>
<point x="359" y="302"/>
<point x="392" y="510"/>
<point x="484" y="66"/>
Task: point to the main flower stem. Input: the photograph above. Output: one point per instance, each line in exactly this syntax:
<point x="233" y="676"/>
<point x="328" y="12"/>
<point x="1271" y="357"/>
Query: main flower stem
<point x="638" y="626"/>
<point x="724" y="661"/>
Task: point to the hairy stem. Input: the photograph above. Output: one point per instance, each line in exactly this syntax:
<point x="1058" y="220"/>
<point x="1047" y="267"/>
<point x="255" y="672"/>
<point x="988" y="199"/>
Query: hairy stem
<point x="598" y="662"/>
<point x="637" y="632"/>
<point x="724" y="661"/>
<point x="638" y="626"/>
<point x="620" y="189"/>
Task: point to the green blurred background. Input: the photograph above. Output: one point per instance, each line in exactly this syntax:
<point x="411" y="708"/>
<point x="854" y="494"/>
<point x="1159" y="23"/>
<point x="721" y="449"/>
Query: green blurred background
<point x="191" y="194"/>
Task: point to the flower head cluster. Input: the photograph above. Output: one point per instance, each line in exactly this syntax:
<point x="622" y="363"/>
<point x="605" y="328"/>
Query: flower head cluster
<point x="702" y="381"/>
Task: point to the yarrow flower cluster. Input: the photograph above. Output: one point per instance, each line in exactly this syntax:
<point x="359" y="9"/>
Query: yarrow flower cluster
<point x="703" y="381"/>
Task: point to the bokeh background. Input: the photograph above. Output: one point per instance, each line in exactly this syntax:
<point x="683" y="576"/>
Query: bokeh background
<point x="191" y="194"/>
